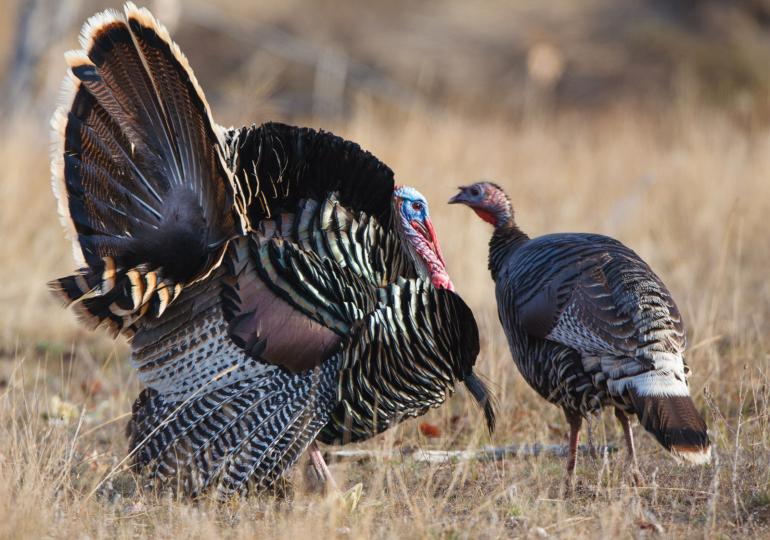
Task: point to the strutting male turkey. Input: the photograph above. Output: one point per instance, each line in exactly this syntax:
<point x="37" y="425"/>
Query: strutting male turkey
<point x="275" y="285"/>
<point x="590" y="325"/>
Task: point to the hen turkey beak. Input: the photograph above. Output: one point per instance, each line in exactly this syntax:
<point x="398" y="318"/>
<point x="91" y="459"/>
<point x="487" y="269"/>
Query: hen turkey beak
<point x="459" y="197"/>
<point x="426" y="230"/>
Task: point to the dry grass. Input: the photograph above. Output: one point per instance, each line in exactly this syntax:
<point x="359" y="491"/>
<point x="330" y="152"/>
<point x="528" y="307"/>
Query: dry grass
<point x="687" y="189"/>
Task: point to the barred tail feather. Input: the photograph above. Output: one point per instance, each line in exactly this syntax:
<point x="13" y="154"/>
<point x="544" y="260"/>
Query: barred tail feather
<point x="139" y="171"/>
<point x="241" y="436"/>
<point x="105" y="295"/>
<point x="675" y="423"/>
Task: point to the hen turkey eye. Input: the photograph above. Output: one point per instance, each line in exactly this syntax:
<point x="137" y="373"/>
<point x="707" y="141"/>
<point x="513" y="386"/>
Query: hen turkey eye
<point x="475" y="191"/>
<point x="417" y="206"/>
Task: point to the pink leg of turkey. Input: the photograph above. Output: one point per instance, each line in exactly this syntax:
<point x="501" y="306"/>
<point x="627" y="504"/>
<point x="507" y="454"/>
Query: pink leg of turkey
<point x="320" y="466"/>
<point x="574" y="436"/>
<point x="629" y="436"/>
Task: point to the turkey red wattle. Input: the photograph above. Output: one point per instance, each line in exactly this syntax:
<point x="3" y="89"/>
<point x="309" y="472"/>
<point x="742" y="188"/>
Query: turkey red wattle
<point x="486" y="215"/>
<point x="427" y="247"/>
<point x="420" y="236"/>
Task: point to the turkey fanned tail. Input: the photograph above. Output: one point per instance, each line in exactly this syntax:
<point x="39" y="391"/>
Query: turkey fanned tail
<point x="139" y="173"/>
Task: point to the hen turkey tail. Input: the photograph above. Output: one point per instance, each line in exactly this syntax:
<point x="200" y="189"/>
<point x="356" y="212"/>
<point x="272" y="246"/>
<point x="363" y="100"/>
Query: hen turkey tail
<point x="139" y="172"/>
<point x="676" y="423"/>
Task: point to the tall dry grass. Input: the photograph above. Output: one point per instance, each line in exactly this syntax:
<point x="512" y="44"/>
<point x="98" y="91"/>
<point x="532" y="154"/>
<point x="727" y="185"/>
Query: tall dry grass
<point x="685" y="188"/>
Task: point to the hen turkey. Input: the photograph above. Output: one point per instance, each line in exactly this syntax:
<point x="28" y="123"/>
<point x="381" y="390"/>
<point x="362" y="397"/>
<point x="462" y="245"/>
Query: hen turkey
<point x="590" y="325"/>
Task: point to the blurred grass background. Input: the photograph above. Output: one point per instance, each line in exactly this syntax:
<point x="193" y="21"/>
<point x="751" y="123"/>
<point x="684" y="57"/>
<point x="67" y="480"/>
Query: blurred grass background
<point x="643" y="120"/>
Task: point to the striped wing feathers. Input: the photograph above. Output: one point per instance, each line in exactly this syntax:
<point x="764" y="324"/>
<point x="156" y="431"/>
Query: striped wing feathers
<point x="187" y="351"/>
<point x="594" y="295"/>
<point x="312" y="273"/>
<point x="396" y="353"/>
<point x="590" y="317"/>
<point x="393" y="368"/>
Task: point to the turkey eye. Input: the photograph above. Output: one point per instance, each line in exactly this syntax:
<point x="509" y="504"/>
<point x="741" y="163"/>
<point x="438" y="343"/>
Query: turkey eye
<point x="417" y="206"/>
<point x="475" y="191"/>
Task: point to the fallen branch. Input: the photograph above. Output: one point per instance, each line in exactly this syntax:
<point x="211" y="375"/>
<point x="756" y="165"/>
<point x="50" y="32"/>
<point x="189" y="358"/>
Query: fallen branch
<point x="488" y="453"/>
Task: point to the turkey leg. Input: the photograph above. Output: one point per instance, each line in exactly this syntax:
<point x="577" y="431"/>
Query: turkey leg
<point x="321" y="469"/>
<point x="575" y="421"/>
<point x="629" y="436"/>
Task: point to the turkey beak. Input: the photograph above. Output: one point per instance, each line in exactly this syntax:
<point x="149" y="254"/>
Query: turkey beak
<point x="426" y="230"/>
<point x="459" y="197"/>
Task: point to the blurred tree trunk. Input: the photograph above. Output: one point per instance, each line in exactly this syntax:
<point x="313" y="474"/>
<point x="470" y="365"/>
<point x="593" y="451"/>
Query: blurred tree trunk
<point x="39" y="24"/>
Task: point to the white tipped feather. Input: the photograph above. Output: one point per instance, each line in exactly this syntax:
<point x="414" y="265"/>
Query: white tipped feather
<point x="145" y="18"/>
<point x="667" y="378"/>
<point x="71" y="85"/>
<point x="77" y="58"/>
<point x="69" y="88"/>
<point x="651" y="383"/>
<point x="95" y="23"/>
<point x="693" y="457"/>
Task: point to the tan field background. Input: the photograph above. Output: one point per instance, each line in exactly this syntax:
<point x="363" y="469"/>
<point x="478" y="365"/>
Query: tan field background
<point x="646" y="121"/>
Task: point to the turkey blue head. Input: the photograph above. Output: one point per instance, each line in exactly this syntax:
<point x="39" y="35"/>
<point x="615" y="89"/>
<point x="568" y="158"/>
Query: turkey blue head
<point x="420" y="236"/>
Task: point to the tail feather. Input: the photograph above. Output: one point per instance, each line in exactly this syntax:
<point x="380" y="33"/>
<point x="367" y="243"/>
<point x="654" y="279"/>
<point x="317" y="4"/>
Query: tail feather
<point x="105" y="295"/>
<point x="676" y="424"/>
<point x="139" y="171"/>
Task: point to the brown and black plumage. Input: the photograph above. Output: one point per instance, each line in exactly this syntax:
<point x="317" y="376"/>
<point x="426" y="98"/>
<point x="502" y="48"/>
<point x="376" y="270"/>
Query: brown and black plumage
<point x="590" y="325"/>
<point x="275" y="285"/>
